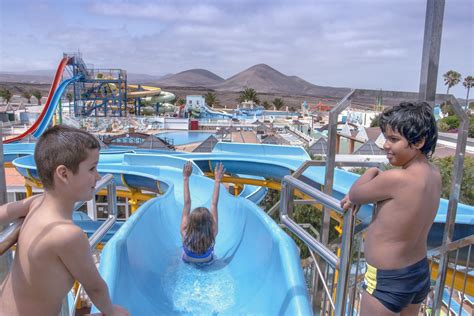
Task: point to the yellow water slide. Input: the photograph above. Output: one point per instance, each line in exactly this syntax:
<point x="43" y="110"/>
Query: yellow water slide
<point x="146" y="92"/>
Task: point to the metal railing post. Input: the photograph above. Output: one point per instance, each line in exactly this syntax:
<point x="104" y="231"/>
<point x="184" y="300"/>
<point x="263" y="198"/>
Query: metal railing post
<point x="107" y="180"/>
<point x="6" y="258"/>
<point x="345" y="260"/>
<point x="453" y="201"/>
<point x="331" y="159"/>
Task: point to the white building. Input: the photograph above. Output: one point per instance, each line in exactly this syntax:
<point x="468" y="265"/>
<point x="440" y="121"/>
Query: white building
<point x="357" y="117"/>
<point x="195" y="101"/>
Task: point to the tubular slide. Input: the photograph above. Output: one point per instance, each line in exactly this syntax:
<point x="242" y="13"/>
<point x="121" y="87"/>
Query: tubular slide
<point x="212" y="112"/>
<point x="41" y="119"/>
<point x="257" y="269"/>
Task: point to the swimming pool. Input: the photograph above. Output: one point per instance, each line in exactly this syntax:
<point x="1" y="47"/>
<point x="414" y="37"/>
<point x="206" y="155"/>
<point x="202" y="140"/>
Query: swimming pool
<point x="185" y="137"/>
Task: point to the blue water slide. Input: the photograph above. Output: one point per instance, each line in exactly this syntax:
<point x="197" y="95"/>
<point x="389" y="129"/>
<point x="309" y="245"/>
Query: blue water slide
<point x="54" y="104"/>
<point x="257" y="269"/>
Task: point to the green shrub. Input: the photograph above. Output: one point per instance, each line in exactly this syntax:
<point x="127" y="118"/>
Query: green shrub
<point x="446" y="166"/>
<point x="451" y="121"/>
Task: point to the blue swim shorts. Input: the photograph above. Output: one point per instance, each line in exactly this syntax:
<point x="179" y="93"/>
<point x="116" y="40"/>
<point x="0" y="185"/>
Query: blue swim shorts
<point x="398" y="288"/>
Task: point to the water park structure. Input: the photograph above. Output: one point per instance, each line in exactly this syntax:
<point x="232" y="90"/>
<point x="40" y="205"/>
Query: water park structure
<point x="258" y="268"/>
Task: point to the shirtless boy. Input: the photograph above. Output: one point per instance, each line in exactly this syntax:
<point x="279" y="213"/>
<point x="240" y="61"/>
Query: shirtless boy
<point x="52" y="252"/>
<point x="397" y="278"/>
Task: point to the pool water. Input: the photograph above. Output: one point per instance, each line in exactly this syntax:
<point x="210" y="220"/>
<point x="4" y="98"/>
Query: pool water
<point x="205" y="290"/>
<point x="185" y="137"/>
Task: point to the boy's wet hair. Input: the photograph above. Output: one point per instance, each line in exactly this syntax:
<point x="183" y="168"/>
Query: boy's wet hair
<point x="62" y="145"/>
<point x="199" y="231"/>
<point x="415" y="122"/>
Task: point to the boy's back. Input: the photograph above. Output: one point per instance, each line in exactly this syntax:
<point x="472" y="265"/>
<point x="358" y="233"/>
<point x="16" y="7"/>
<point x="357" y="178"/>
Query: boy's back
<point x="37" y="265"/>
<point x="398" y="234"/>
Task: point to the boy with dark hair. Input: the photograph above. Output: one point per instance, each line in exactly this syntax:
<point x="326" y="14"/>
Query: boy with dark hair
<point x="397" y="279"/>
<point x="52" y="251"/>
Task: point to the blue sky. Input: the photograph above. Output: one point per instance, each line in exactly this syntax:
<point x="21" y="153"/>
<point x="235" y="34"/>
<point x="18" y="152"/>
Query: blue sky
<point x="373" y="44"/>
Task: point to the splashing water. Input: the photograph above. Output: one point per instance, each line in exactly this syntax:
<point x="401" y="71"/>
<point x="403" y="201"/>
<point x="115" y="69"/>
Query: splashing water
<point x="199" y="289"/>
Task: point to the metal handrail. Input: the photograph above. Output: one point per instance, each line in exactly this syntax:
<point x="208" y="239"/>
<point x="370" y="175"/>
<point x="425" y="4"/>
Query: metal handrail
<point x="454" y="245"/>
<point x="288" y="184"/>
<point x="453" y="199"/>
<point x="107" y="180"/>
<point x="9" y="232"/>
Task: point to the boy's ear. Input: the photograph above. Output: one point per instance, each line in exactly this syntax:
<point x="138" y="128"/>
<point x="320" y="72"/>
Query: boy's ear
<point x="62" y="174"/>
<point x="420" y="143"/>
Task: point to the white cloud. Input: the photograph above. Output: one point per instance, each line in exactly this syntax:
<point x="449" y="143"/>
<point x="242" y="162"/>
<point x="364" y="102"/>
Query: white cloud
<point x="371" y="44"/>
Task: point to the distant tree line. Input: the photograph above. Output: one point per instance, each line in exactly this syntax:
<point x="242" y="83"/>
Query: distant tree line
<point x="7" y="95"/>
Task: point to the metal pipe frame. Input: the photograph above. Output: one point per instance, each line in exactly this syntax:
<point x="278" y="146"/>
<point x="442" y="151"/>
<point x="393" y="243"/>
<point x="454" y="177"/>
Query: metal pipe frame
<point x="343" y="263"/>
<point x="109" y="182"/>
<point x="288" y="183"/>
<point x="331" y="158"/>
<point x="345" y="260"/>
<point x="7" y="258"/>
<point x="453" y="200"/>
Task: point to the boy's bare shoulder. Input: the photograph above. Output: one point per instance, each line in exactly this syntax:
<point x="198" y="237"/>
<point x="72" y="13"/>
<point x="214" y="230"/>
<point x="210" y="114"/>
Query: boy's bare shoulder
<point x="67" y="233"/>
<point x="394" y="175"/>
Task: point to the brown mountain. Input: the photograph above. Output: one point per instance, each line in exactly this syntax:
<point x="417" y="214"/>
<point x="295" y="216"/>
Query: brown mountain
<point x="264" y="78"/>
<point x="190" y="78"/>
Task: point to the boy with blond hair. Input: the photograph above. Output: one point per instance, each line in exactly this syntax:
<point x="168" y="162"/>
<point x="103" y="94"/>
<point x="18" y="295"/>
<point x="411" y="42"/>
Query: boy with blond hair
<point x="52" y="251"/>
<point x="397" y="278"/>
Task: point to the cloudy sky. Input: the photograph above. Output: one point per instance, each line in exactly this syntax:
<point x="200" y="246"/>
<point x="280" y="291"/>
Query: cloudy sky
<point x="375" y="44"/>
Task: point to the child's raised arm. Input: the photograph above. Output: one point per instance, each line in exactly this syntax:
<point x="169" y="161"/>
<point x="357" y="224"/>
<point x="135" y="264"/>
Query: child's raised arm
<point x="187" y="170"/>
<point x="218" y="174"/>
<point x="15" y="210"/>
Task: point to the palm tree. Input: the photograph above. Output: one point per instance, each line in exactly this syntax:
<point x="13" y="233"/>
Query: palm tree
<point x="266" y="105"/>
<point x="37" y="94"/>
<point x="468" y="83"/>
<point x="211" y="99"/>
<point x="26" y="95"/>
<point x="451" y="78"/>
<point x="6" y="95"/>
<point x="248" y="94"/>
<point x="278" y="103"/>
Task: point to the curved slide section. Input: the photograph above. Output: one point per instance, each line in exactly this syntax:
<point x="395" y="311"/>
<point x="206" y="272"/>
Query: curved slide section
<point x="212" y="112"/>
<point x="53" y="105"/>
<point x="146" y="92"/>
<point x="57" y="78"/>
<point x="256" y="270"/>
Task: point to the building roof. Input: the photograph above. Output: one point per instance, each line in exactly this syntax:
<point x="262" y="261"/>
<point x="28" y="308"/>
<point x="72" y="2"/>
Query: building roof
<point x="369" y="148"/>
<point x="224" y="130"/>
<point x="263" y="128"/>
<point x="275" y="140"/>
<point x="207" y="145"/>
<point x="6" y="108"/>
<point x="319" y="147"/>
<point x="153" y="142"/>
<point x="373" y="132"/>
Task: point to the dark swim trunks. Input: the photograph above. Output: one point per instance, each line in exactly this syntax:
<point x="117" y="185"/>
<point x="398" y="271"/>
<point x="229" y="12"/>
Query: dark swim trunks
<point x="396" y="289"/>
